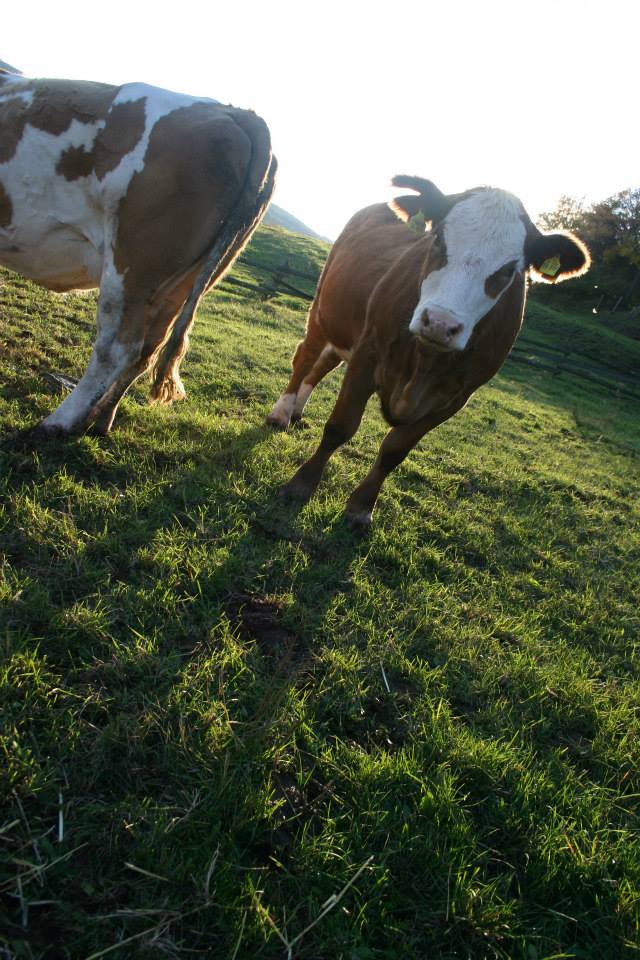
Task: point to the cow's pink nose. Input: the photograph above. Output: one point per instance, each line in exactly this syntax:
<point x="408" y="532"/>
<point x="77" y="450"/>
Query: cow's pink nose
<point x="439" y="325"/>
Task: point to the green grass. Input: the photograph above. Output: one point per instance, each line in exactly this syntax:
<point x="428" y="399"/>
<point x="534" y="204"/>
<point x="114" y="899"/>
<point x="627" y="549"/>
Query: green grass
<point x="581" y="335"/>
<point x="233" y="708"/>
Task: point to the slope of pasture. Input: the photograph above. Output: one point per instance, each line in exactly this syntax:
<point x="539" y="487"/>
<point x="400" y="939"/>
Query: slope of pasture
<point x="219" y="711"/>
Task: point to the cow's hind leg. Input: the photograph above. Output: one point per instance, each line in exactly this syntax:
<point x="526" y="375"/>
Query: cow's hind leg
<point x="307" y="354"/>
<point x="159" y="317"/>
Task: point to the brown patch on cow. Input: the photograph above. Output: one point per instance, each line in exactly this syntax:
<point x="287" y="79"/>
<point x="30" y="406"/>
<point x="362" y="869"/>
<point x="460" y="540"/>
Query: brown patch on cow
<point x="376" y="239"/>
<point x="13" y="117"/>
<point x="75" y="162"/>
<point x="6" y="207"/>
<point x="495" y="284"/>
<point x="122" y="131"/>
<point x="57" y="103"/>
<point x="193" y="175"/>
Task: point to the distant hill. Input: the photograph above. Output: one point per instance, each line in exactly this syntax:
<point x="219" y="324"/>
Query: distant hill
<point x="277" y="217"/>
<point x="7" y="66"/>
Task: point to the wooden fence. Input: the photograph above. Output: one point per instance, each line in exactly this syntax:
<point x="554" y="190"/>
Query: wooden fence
<point x="271" y="281"/>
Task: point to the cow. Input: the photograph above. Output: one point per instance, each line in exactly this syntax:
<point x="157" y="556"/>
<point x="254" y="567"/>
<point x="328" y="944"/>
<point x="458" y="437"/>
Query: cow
<point x="145" y="193"/>
<point x="423" y="317"/>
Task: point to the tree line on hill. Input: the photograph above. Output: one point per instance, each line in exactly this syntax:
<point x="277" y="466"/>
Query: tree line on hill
<point x="611" y="230"/>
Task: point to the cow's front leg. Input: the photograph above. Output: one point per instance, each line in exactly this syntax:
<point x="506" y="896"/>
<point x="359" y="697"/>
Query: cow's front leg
<point x="357" y="387"/>
<point x="393" y="449"/>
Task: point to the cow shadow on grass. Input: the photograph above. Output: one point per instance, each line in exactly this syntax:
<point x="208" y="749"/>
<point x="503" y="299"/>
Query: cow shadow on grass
<point x="166" y="657"/>
<point x="178" y="682"/>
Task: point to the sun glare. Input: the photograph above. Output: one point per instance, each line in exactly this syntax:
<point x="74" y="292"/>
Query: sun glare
<point x="461" y="93"/>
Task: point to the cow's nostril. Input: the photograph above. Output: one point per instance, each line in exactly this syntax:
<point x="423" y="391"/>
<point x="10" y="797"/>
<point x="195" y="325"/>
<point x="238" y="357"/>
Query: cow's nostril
<point x="426" y="319"/>
<point x="454" y="329"/>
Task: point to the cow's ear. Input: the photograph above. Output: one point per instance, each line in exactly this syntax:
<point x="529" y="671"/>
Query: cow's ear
<point x="556" y="256"/>
<point x="431" y="202"/>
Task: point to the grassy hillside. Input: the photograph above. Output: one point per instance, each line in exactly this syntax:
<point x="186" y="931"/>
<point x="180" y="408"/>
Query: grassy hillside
<point x="219" y="711"/>
<point x="277" y="217"/>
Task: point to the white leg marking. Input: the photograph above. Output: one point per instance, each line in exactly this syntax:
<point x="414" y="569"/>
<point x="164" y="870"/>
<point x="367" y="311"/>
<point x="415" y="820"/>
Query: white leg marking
<point x="108" y="360"/>
<point x="280" y="416"/>
<point x="303" y="395"/>
<point x="99" y="376"/>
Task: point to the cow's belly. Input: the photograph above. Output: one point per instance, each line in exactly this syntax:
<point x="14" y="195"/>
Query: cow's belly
<point x="60" y="259"/>
<point x="54" y="230"/>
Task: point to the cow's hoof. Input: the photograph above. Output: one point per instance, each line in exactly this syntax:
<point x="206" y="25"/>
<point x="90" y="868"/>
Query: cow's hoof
<point x="358" y="520"/>
<point x="101" y="426"/>
<point x="277" y="421"/>
<point x="296" y="490"/>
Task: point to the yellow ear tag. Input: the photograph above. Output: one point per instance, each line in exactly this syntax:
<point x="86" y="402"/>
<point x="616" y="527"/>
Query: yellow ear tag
<point x="417" y="222"/>
<point x="550" y="268"/>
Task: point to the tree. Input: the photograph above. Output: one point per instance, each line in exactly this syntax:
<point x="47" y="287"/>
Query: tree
<point x="568" y="214"/>
<point x="611" y="230"/>
<point x="612" y="227"/>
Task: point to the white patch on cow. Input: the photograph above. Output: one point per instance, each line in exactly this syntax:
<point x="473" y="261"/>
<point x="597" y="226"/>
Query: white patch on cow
<point x="302" y="396"/>
<point x="482" y="234"/>
<point x="282" y="411"/>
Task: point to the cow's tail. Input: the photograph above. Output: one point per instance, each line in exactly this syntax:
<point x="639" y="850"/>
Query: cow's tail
<point x="254" y="198"/>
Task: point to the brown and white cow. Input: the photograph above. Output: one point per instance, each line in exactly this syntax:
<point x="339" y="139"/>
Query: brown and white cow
<point x="423" y="319"/>
<point x="145" y="193"/>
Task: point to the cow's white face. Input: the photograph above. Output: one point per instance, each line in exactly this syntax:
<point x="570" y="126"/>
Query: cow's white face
<point x="476" y="252"/>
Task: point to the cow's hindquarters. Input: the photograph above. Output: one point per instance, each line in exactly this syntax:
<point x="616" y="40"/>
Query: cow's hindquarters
<point x="258" y="188"/>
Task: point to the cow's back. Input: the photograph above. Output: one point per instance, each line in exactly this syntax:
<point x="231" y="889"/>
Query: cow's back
<point x="365" y="250"/>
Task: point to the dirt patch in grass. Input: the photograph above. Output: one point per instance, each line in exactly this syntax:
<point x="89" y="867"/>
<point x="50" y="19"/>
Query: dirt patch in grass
<point x="259" y="619"/>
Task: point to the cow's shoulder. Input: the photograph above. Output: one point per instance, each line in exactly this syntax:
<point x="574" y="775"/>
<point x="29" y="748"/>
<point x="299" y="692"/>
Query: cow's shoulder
<point x="49" y="107"/>
<point x="55" y="104"/>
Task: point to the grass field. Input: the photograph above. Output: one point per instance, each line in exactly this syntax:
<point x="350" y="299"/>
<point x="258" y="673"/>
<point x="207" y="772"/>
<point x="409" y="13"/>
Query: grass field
<point x="231" y="728"/>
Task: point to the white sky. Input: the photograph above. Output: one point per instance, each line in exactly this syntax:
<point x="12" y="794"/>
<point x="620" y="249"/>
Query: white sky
<point x="540" y="98"/>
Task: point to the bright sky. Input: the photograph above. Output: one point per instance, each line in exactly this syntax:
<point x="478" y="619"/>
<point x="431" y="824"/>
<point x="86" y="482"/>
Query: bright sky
<point x="539" y="98"/>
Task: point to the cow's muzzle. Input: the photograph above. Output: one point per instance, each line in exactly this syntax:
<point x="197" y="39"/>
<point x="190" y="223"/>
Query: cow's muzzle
<point x="440" y="328"/>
